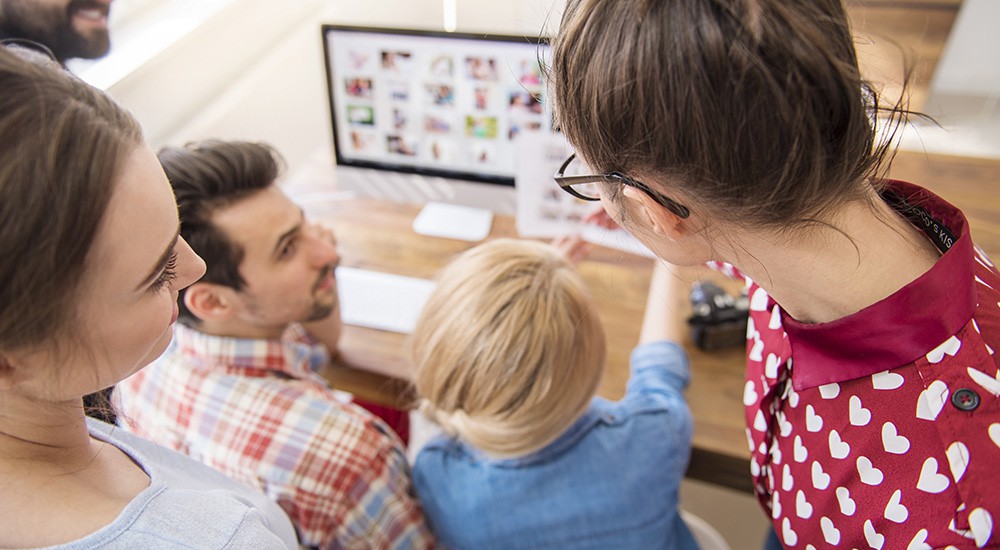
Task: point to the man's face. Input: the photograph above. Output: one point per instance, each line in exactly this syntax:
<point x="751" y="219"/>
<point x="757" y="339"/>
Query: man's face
<point x="288" y="264"/>
<point x="70" y="28"/>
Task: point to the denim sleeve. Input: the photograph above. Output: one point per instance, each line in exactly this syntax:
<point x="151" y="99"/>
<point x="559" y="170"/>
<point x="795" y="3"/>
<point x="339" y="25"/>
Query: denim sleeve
<point x="659" y="368"/>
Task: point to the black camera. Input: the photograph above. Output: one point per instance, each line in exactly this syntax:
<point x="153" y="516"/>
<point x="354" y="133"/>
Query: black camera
<point x="719" y="320"/>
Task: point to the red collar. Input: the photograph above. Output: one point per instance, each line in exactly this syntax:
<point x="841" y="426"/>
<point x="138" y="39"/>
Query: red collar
<point x="904" y="326"/>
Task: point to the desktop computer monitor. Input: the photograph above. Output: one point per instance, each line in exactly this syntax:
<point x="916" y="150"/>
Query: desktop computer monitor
<point x="437" y="104"/>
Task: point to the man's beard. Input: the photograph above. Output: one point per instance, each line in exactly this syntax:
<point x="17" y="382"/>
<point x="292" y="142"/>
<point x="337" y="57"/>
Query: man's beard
<point x="321" y="310"/>
<point x="53" y="27"/>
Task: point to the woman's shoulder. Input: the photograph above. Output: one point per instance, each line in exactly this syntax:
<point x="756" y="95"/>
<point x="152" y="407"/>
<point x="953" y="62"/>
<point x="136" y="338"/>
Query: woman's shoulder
<point x="188" y="504"/>
<point x="182" y="518"/>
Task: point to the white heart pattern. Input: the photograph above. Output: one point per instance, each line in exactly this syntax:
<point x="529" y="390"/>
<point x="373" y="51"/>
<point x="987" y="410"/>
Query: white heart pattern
<point x="949" y="347"/>
<point x="786" y="478"/>
<point x="930" y="480"/>
<point x="749" y="394"/>
<point x="838" y="448"/>
<point x="775" y="506"/>
<point x="895" y="511"/>
<point x="801" y="454"/>
<point x="793" y="396"/>
<point x="886" y="380"/>
<point x="802" y="508"/>
<point x="870" y="475"/>
<point x="758" y="302"/>
<point x="789" y="536"/>
<point x="820" y="479"/>
<point x="759" y="423"/>
<point x="814" y="422"/>
<point x="829" y="391"/>
<point x="967" y="533"/>
<point x="892" y="441"/>
<point x="932" y="400"/>
<point x="982" y="258"/>
<point x="775" y="322"/>
<point x="981" y="525"/>
<point x="874" y="539"/>
<point x="860" y="416"/>
<point x="757" y="350"/>
<point x="784" y="426"/>
<point x="771" y="366"/>
<point x="958" y="459"/>
<point x="988" y="382"/>
<point x="830" y="532"/>
<point x="847" y="504"/>
<point x="994" y="431"/>
<point x="775" y="453"/>
<point x="919" y="541"/>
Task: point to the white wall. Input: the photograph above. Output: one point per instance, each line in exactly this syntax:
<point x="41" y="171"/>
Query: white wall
<point x="964" y="95"/>
<point x="969" y="63"/>
<point x="252" y="69"/>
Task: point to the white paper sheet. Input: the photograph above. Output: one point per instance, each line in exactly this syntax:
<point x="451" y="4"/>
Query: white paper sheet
<point x="544" y="210"/>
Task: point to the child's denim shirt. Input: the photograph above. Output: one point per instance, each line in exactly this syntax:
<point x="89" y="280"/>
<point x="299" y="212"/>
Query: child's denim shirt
<point x="610" y="481"/>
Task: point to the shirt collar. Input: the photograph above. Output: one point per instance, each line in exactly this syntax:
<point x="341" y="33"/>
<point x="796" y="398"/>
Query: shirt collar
<point x="904" y="326"/>
<point x="294" y="355"/>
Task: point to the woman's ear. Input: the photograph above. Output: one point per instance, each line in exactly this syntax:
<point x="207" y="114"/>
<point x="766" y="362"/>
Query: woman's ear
<point x="209" y="301"/>
<point x="662" y="221"/>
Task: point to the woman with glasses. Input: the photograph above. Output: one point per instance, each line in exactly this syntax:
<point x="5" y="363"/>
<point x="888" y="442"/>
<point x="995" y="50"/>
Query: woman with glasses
<point x="92" y="264"/>
<point x="508" y="354"/>
<point x="742" y="132"/>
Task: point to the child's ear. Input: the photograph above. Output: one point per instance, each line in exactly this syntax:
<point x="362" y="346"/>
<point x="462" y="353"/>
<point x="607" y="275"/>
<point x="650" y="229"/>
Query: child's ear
<point x="662" y="221"/>
<point x="209" y="301"/>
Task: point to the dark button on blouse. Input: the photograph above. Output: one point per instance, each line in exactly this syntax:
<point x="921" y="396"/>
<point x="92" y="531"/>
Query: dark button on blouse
<point x="965" y="399"/>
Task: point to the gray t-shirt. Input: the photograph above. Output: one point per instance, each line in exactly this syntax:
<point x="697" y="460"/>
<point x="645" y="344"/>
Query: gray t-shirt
<point x="187" y="505"/>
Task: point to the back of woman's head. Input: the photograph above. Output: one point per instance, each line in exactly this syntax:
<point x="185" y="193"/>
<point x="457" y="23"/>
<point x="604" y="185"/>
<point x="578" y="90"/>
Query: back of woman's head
<point x="61" y="146"/>
<point x="753" y="109"/>
<point x="508" y="351"/>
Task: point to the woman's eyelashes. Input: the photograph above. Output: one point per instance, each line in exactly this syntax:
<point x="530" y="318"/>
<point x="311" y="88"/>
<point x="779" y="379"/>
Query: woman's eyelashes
<point x="168" y="274"/>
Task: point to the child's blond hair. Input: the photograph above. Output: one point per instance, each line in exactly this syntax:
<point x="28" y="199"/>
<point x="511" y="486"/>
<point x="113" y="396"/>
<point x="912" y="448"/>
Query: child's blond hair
<point x="509" y="349"/>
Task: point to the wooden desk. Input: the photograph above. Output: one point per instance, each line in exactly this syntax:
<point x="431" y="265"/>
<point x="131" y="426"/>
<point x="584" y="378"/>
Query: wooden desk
<point x="373" y="364"/>
<point x="377" y="235"/>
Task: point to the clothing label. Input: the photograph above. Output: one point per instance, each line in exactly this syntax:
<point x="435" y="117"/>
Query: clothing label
<point x="940" y="235"/>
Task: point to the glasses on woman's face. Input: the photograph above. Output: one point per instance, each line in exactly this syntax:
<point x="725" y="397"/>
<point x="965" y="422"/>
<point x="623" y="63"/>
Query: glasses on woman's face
<point x="29" y="49"/>
<point x="585" y="186"/>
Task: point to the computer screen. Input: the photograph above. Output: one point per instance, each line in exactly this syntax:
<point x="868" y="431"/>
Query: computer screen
<point x="440" y="104"/>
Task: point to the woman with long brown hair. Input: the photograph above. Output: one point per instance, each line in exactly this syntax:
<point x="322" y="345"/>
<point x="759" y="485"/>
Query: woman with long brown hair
<point x="92" y="264"/>
<point x="741" y="131"/>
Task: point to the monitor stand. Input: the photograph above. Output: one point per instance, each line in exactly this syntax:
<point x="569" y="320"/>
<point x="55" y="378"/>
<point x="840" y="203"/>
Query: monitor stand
<point x="452" y="221"/>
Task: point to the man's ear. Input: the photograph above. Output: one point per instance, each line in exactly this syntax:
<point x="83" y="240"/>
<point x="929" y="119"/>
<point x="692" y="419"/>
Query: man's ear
<point x="210" y="302"/>
<point x="659" y="218"/>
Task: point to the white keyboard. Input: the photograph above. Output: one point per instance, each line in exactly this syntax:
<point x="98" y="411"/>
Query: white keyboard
<point x="381" y="300"/>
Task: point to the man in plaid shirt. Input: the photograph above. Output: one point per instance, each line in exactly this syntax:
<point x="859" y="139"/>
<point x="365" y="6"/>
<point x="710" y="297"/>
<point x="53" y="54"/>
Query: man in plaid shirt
<point x="237" y="387"/>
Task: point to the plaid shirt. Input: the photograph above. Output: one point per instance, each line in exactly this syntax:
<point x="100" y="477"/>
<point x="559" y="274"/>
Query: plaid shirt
<point x="256" y="410"/>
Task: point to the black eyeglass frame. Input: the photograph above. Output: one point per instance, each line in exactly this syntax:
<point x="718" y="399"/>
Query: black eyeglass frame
<point x="567" y="183"/>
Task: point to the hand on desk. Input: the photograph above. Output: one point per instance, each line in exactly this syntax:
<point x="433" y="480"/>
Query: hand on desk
<point x="573" y="247"/>
<point x="601" y="218"/>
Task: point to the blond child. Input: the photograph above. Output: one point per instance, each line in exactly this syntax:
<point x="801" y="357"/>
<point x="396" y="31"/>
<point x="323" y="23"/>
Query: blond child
<point x="508" y="354"/>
